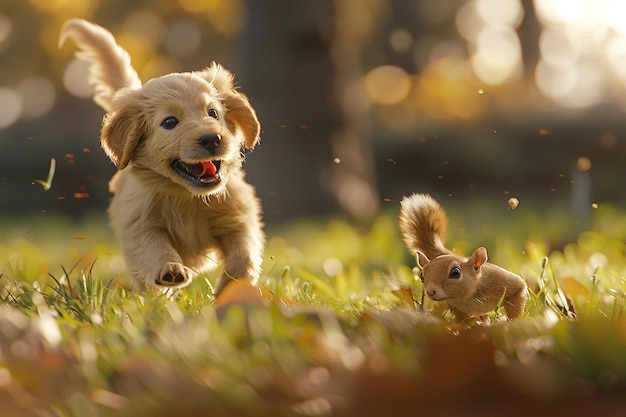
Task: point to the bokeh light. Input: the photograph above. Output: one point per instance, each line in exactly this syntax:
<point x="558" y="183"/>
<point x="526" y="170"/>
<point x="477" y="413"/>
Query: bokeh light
<point x="498" y="55"/>
<point x="489" y="28"/>
<point x="38" y="95"/>
<point x="445" y="91"/>
<point x="387" y="84"/>
<point x="401" y="40"/>
<point x="507" y="13"/>
<point x="75" y="79"/>
<point x="583" y="48"/>
<point x="6" y="27"/>
<point x="557" y="49"/>
<point x="11" y="105"/>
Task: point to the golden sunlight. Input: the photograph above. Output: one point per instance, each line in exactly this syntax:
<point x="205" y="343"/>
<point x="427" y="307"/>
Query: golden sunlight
<point x="583" y="50"/>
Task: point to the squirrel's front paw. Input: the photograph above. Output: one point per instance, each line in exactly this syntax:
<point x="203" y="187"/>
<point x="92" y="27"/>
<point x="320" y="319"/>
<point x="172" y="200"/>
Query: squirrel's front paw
<point x="174" y="274"/>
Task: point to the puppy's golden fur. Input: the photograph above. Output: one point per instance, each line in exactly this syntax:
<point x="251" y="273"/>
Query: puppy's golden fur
<point x="180" y="203"/>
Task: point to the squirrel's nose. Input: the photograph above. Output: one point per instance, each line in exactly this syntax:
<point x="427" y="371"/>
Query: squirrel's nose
<point x="431" y="292"/>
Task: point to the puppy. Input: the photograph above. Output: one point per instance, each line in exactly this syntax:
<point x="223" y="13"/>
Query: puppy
<point x="181" y="204"/>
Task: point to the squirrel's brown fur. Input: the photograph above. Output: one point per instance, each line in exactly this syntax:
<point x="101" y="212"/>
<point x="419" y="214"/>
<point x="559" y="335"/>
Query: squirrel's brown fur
<point x="424" y="225"/>
<point x="471" y="286"/>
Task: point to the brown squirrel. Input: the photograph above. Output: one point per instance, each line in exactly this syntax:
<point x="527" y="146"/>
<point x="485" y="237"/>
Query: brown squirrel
<point x="471" y="286"/>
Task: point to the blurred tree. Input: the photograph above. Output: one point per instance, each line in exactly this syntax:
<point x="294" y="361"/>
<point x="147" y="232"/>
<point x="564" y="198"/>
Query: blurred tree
<point x="287" y="72"/>
<point x="354" y="176"/>
<point x="529" y="31"/>
<point x="304" y="66"/>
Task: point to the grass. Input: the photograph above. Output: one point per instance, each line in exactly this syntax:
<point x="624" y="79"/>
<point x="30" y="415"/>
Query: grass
<point x="340" y="331"/>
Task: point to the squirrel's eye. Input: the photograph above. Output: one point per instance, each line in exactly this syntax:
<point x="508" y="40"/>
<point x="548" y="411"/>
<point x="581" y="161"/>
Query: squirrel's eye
<point x="213" y="113"/>
<point x="169" y="123"/>
<point x="455" y="272"/>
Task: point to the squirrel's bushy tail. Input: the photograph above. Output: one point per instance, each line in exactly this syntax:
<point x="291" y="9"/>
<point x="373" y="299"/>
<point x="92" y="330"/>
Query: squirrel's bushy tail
<point x="424" y="225"/>
<point x="110" y="67"/>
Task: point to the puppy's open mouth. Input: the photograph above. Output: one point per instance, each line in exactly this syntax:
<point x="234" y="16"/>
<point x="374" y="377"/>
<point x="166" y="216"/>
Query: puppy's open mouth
<point x="202" y="174"/>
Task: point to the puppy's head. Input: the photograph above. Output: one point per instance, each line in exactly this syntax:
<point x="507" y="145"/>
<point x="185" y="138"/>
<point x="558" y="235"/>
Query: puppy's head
<point x="187" y="127"/>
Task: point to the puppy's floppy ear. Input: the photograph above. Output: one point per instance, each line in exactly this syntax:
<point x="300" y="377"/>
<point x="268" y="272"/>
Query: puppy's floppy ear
<point x="123" y="129"/>
<point x="238" y="108"/>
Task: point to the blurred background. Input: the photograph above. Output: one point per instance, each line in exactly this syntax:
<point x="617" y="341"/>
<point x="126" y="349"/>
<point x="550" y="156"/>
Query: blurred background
<point x="360" y="101"/>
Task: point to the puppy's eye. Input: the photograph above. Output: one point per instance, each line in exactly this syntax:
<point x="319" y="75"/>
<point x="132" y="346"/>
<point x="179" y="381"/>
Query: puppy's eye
<point x="455" y="272"/>
<point x="213" y="113"/>
<point x="169" y="123"/>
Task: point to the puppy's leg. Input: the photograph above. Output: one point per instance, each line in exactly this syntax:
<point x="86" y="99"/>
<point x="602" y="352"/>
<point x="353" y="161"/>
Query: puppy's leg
<point x="152" y="260"/>
<point x="243" y="256"/>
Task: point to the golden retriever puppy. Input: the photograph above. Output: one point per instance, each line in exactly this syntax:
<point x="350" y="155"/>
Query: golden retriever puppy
<point x="181" y="204"/>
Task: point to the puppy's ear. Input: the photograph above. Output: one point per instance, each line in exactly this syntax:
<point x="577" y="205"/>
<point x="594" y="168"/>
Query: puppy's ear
<point x="240" y="112"/>
<point x="238" y="109"/>
<point x="123" y="129"/>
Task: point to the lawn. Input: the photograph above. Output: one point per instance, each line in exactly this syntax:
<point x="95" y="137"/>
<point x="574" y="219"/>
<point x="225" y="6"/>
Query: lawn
<point x="338" y="328"/>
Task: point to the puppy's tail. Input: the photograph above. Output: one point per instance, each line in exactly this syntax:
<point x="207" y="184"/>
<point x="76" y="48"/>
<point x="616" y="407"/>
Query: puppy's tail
<point x="110" y="67"/>
<point x="424" y="225"/>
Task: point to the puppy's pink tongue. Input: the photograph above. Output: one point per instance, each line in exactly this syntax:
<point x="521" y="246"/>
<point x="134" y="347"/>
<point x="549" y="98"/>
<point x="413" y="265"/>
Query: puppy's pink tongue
<point x="208" y="168"/>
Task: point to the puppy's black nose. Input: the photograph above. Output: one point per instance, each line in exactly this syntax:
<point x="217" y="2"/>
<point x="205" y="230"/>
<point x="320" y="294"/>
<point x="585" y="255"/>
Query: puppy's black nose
<point x="210" y="142"/>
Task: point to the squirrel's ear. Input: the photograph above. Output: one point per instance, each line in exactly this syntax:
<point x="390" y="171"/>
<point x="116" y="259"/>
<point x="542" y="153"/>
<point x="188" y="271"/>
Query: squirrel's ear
<point x="479" y="257"/>
<point x="422" y="260"/>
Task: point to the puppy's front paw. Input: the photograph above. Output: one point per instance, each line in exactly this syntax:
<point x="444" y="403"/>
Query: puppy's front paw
<point x="174" y="274"/>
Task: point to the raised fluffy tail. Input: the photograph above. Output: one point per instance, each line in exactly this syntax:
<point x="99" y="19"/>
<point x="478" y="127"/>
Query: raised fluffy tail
<point x="110" y="67"/>
<point x="424" y="225"/>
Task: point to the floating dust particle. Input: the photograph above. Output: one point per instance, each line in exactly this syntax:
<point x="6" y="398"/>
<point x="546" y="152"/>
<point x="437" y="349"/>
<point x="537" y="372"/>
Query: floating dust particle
<point x="81" y="195"/>
<point x="86" y="150"/>
<point x="388" y="200"/>
<point x="481" y="91"/>
<point x="337" y="161"/>
<point x="583" y="164"/>
<point x="543" y="132"/>
<point x="513" y="203"/>
<point x="594" y="205"/>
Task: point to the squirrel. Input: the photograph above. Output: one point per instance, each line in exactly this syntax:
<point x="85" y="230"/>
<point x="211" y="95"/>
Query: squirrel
<point x="471" y="286"/>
